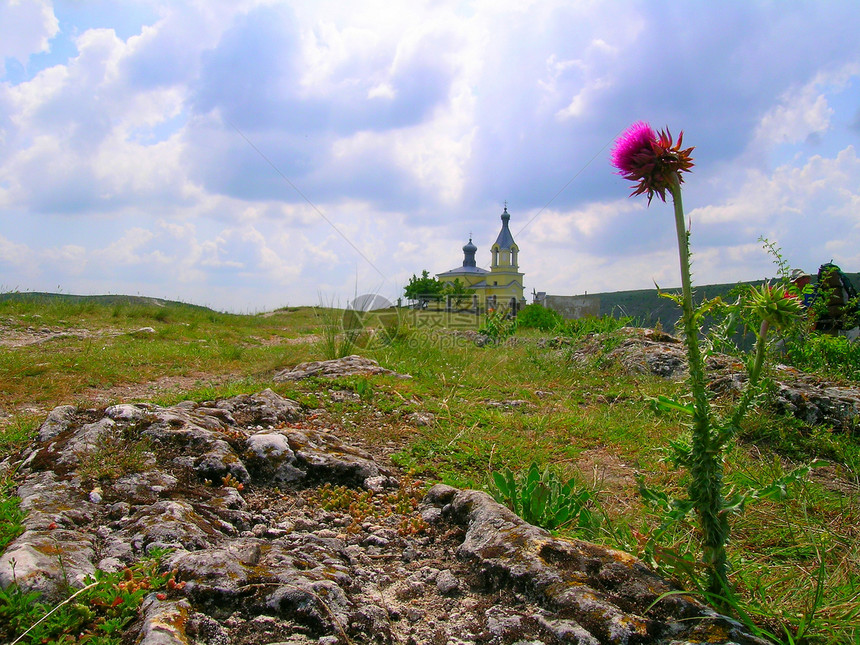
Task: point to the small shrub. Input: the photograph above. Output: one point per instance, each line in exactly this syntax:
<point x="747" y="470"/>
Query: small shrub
<point x="361" y="504"/>
<point x="498" y="326"/>
<point x="116" y="454"/>
<point x="97" y="613"/>
<point x="833" y="355"/>
<point x="536" y="316"/>
<point x="339" y="331"/>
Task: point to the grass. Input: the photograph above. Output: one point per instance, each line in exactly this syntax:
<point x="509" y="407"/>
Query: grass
<point x="795" y="561"/>
<point x="187" y="341"/>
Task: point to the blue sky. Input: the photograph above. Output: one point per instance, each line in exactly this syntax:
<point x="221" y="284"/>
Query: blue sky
<point x="251" y="155"/>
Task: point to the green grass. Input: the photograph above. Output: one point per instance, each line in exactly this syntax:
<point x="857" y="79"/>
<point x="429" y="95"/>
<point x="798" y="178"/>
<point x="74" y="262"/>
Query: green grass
<point x="187" y="341"/>
<point x="795" y="562"/>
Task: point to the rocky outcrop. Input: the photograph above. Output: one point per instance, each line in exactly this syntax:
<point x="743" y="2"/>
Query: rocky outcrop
<point x="811" y="399"/>
<point x="347" y="366"/>
<point x="278" y="531"/>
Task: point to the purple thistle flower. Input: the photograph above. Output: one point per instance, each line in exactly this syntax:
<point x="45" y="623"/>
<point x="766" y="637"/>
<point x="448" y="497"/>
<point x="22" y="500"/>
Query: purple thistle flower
<point x="637" y="138"/>
<point x="650" y="159"/>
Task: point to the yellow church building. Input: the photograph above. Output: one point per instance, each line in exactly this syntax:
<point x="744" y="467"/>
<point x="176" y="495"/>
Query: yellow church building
<point x="502" y="285"/>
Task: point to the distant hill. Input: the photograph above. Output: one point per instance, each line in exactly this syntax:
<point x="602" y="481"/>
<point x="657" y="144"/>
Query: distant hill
<point x="108" y="300"/>
<point x="647" y="307"/>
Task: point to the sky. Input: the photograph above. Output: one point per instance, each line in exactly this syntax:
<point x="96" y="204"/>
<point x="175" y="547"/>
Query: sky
<point x="247" y="155"/>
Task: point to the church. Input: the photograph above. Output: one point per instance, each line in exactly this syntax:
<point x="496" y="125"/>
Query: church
<point x="502" y="284"/>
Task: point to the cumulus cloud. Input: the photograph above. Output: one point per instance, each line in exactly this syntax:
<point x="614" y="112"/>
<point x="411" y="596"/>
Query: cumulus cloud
<point x="26" y="28"/>
<point x="275" y="151"/>
<point x="799" y="115"/>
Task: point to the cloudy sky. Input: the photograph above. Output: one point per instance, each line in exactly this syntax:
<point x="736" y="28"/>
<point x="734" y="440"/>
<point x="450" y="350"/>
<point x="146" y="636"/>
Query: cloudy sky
<point x="248" y="155"/>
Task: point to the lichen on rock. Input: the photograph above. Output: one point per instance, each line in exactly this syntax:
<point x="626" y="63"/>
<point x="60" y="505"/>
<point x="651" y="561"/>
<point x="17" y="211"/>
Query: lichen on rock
<point x="234" y="491"/>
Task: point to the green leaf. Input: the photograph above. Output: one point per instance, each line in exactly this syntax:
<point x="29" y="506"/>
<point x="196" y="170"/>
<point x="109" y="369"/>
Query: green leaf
<point x="538" y="501"/>
<point x="561" y="516"/>
<point x="665" y="404"/>
<point x="501" y="483"/>
<point x="734" y="504"/>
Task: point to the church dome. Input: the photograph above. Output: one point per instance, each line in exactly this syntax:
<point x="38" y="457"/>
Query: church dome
<point x="505" y="240"/>
<point x="469" y="254"/>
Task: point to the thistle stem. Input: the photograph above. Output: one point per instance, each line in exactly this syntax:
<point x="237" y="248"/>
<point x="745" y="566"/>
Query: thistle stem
<point x="760" y="347"/>
<point x="706" y="467"/>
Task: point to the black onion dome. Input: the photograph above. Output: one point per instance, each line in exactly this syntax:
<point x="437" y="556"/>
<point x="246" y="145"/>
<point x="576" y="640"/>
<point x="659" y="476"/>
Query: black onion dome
<point x="469" y="251"/>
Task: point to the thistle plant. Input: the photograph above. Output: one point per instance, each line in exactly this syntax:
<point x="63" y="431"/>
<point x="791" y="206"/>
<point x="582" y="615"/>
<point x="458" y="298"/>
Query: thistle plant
<point x="655" y="163"/>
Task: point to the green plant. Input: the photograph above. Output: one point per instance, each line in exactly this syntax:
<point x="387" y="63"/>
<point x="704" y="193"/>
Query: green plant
<point x="19" y="610"/>
<point x="834" y="356"/>
<point x="11" y="515"/>
<point x="544" y="499"/>
<point x="361" y="504"/>
<point x="591" y="325"/>
<point x="117" y="452"/>
<point x="98" y="612"/>
<point x="393" y="328"/>
<point x="425" y="288"/>
<point x="498" y="326"/>
<point x="656" y="163"/>
<point x="17" y="433"/>
<point x="340" y="330"/>
<point x="364" y="389"/>
<point x="536" y="316"/>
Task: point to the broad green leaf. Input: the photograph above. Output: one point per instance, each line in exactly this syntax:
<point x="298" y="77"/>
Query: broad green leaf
<point x="666" y="404"/>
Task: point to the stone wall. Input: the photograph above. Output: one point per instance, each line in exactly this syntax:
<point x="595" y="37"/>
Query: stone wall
<point x="571" y="307"/>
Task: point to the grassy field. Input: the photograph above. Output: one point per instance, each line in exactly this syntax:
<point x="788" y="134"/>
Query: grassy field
<point x="795" y="561"/>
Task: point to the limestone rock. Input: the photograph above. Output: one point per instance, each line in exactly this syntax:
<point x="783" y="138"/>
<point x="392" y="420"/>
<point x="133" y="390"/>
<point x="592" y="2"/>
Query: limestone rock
<point x="56" y="422"/>
<point x="163" y="622"/>
<point x="604" y="592"/>
<point x="267" y="557"/>
<point x="810" y="399"/>
<point x="348" y="366"/>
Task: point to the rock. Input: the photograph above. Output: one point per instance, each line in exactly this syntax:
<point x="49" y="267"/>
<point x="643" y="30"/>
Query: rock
<point x="219" y="462"/>
<point x="323" y="455"/>
<point x="421" y="419"/>
<point x="269" y="456"/>
<point x="447" y="583"/>
<point x="127" y="412"/>
<point x="811" y="399"/>
<point x="46" y="561"/>
<point x="143" y="488"/>
<point x="605" y="592"/>
<point x="280" y="562"/>
<point x="163" y="622"/>
<point x="348" y="366"/>
<point x="56" y="422"/>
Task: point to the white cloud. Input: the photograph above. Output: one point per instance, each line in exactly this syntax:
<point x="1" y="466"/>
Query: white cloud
<point x="578" y="227"/>
<point x="126" y="250"/>
<point x="26" y="27"/>
<point x="804" y="111"/>
<point x="407" y="125"/>
<point x="18" y="257"/>
<point x="821" y="186"/>
<point x="798" y="116"/>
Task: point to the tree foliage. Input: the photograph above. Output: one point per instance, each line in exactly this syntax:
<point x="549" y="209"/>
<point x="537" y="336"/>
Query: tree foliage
<point x="424" y="288"/>
<point x="427" y="288"/>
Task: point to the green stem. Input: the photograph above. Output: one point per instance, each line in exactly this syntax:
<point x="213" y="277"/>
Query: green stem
<point x="706" y="467"/>
<point x="734" y="424"/>
<point x="760" y="347"/>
